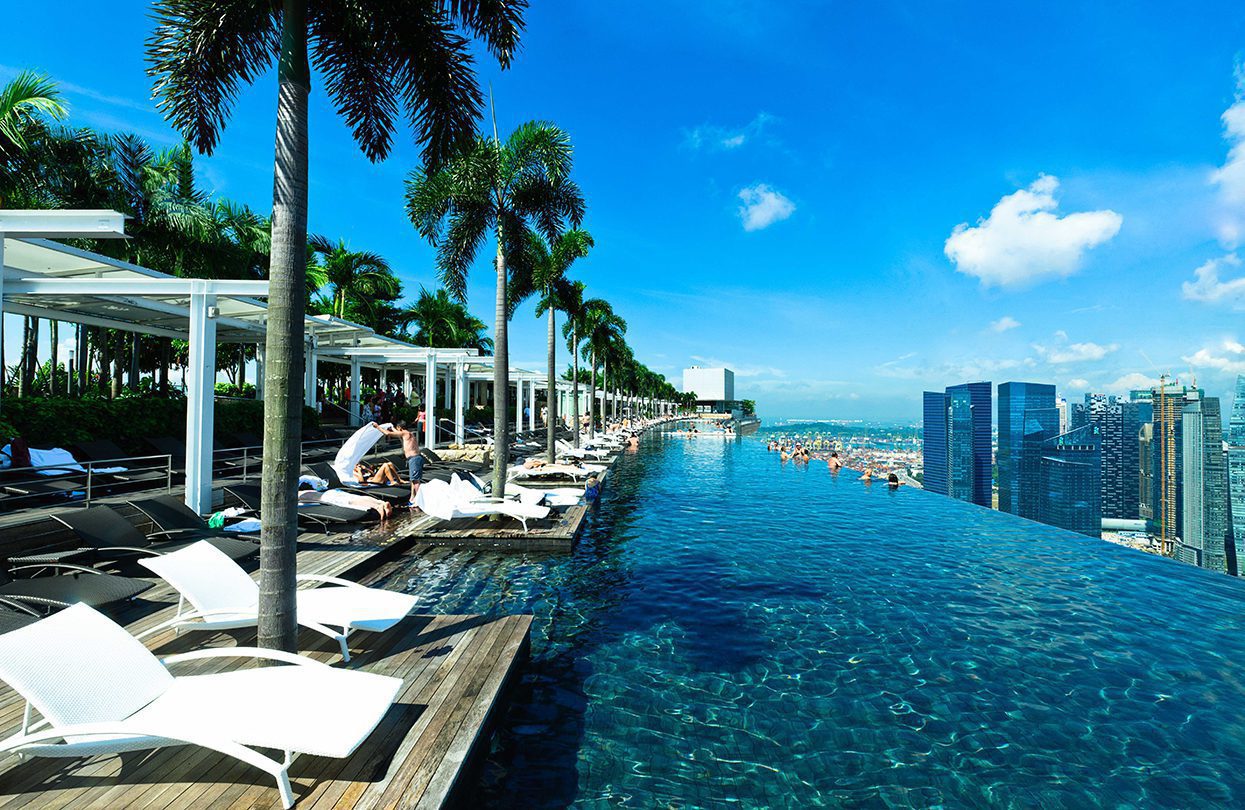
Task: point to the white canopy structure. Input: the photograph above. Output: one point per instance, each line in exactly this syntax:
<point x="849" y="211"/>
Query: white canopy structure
<point x="46" y="279"/>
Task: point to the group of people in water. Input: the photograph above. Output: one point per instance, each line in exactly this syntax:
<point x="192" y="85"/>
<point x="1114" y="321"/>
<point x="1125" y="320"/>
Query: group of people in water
<point x="802" y="454"/>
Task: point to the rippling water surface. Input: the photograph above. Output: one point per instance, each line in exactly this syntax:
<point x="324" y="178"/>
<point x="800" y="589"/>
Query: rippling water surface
<point x="731" y="629"/>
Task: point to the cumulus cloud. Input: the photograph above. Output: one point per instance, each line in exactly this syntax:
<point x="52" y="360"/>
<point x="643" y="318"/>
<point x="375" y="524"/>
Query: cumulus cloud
<point x="1208" y="287"/>
<point x="1228" y="357"/>
<point x="762" y="206"/>
<point x="965" y="369"/>
<point x="1024" y="240"/>
<point x="1131" y="381"/>
<point x="1230" y="177"/>
<point x="1065" y="352"/>
<point x="1078" y="384"/>
<point x="1003" y="324"/>
<point x="711" y="137"/>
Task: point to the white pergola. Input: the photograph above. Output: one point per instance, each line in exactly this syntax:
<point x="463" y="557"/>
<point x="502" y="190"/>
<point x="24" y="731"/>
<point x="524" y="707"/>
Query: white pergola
<point x="46" y="279"/>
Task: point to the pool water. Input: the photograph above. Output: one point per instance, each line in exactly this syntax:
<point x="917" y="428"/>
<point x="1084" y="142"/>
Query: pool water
<point x="735" y="630"/>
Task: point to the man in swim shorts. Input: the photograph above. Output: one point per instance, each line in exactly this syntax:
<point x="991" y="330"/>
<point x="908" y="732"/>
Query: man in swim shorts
<point x="410" y="448"/>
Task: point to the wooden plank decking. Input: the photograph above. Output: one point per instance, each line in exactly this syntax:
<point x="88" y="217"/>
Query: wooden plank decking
<point x="455" y="669"/>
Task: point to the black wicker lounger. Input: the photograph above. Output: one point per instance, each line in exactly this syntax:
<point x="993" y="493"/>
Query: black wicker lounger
<point x="78" y="584"/>
<point x="106" y="532"/>
<point x="175" y="519"/>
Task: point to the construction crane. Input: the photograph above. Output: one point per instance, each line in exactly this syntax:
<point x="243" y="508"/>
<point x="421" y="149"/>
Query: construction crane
<point x="1166" y="420"/>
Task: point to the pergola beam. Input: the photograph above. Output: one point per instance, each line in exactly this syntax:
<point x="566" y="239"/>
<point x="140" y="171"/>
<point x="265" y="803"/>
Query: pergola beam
<point x="156" y="287"/>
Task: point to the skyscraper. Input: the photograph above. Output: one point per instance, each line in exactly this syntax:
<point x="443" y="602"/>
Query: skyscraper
<point x="969" y="416"/>
<point x="934" y="443"/>
<point x="1018" y="402"/>
<point x="1166" y="461"/>
<point x="957" y="442"/>
<point x="1236" y="469"/>
<point x="1119" y="423"/>
<point x="1070" y="481"/>
<point x="1205" y="502"/>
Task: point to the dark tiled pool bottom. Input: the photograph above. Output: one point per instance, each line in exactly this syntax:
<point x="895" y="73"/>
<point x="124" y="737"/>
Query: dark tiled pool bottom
<point x="735" y="631"/>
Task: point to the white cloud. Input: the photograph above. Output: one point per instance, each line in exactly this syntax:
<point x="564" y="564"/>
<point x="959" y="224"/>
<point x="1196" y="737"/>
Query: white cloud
<point x="717" y="138"/>
<point x="1004" y="323"/>
<point x="1024" y="240"/>
<point x="1209" y="288"/>
<point x="1078" y="384"/>
<point x="1228" y="358"/>
<point x="1131" y="381"/>
<point x="1230" y="177"/>
<point x="1066" y="352"/>
<point x="763" y="206"/>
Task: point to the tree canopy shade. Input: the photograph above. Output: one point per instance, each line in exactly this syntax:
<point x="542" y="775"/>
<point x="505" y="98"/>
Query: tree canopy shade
<point x="377" y="60"/>
<point x="502" y="189"/>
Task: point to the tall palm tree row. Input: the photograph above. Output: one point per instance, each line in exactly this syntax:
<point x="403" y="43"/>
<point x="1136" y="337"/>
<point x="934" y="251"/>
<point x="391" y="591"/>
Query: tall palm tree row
<point x="602" y="330"/>
<point x="501" y="190"/>
<point x="376" y="61"/>
<point x="542" y="271"/>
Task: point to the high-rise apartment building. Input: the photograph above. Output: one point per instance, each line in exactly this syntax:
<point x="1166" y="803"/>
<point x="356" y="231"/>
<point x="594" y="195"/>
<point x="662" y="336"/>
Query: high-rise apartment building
<point x="1020" y="402"/>
<point x="1119" y="423"/>
<point x="1204" y="526"/>
<point x="1236" y="471"/>
<point x="957" y="442"/>
<point x="1070" y="483"/>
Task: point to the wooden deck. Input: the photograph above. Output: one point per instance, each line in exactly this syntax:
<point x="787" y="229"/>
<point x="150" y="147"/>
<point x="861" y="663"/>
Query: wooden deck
<point x="556" y="535"/>
<point x="456" y="672"/>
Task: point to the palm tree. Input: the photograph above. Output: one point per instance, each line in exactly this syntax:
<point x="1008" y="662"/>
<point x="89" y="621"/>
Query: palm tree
<point x="377" y="60"/>
<point x="601" y="328"/>
<point x="27" y="98"/>
<point x="572" y="329"/>
<point x="547" y="266"/>
<point x="360" y="275"/>
<point x="503" y="190"/>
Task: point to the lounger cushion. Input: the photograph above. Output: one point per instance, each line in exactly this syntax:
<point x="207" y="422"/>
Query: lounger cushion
<point x="271" y="706"/>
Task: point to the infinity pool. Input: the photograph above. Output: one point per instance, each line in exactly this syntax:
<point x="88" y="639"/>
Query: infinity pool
<point x="734" y="630"/>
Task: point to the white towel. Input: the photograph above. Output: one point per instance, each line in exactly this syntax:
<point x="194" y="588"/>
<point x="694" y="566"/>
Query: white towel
<point x="355" y="448"/>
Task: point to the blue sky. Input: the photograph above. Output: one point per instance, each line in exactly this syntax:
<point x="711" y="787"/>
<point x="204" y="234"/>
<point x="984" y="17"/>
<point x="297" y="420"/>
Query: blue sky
<point x="847" y="203"/>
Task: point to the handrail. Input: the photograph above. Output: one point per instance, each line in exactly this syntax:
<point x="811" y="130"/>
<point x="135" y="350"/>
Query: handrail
<point x="14" y="485"/>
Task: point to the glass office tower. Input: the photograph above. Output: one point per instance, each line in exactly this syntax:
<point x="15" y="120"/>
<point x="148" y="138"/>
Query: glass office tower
<point x="934" y="443"/>
<point x="969" y="468"/>
<point x="1018" y="403"/>
<point x="1070" y="481"/>
<point x="1236" y="469"/>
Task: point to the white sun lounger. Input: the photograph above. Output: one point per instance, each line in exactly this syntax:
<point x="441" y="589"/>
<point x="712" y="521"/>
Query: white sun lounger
<point x="99" y="691"/>
<point x="555" y="496"/>
<point x="441" y="500"/>
<point x="519" y="472"/>
<point x="224" y="596"/>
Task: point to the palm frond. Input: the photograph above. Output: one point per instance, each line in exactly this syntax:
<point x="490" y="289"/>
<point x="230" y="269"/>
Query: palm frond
<point x="497" y="22"/>
<point x="201" y="52"/>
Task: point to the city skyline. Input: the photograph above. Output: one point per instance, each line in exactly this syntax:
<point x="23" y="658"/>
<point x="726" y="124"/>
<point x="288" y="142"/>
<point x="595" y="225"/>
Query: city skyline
<point x="1034" y="224"/>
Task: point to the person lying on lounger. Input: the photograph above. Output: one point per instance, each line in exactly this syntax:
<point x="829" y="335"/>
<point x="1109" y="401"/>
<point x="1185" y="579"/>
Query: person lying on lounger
<point x="386" y="473"/>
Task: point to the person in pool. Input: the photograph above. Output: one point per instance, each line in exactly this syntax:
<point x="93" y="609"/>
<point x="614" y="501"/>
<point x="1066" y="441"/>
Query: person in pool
<point x="867" y="475"/>
<point x="835" y="463"/>
<point x="893" y="481"/>
<point x="592" y="489"/>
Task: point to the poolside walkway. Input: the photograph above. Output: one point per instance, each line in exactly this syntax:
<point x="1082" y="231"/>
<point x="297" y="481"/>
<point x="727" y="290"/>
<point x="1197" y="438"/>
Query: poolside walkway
<point x="456" y="670"/>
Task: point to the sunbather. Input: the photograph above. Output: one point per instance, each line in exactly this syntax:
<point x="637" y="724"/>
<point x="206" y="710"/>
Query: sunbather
<point x="350" y="500"/>
<point x="386" y="473"/>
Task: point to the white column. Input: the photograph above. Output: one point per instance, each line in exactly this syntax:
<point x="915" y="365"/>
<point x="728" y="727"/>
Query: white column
<point x="406" y="383"/>
<point x="1" y="300"/>
<point x="447" y="394"/>
<point x="356" y="382"/>
<point x="200" y="401"/>
<point x="518" y="405"/>
<point x="460" y="402"/>
<point x="531" y="405"/>
<point x="430" y="400"/>
<point x="313" y="371"/>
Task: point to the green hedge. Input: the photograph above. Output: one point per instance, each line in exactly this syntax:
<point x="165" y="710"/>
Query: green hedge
<point x="56" y="422"/>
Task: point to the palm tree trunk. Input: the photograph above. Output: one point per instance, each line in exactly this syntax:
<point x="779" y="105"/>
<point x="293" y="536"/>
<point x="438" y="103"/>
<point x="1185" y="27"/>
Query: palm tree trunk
<point x="605" y="395"/>
<point x="105" y="365"/>
<point x="241" y="368"/>
<point x="54" y="336"/>
<point x="135" y="350"/>
<point x="166" y="353"/>
<point x="551" y="390"/>
<point x="501" y="380"/>
<point x="283" y="342"/>
<point x="23" y="366"/>
<point x="575" y="381"/>
<point x="592" y="397"/>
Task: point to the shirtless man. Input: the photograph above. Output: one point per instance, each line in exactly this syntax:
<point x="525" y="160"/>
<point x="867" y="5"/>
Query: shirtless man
<point x="410" y="448"/>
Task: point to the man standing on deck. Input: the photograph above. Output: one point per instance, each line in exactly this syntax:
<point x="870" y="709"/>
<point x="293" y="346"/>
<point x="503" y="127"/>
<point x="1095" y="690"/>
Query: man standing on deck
<point x="410" y="448"/>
